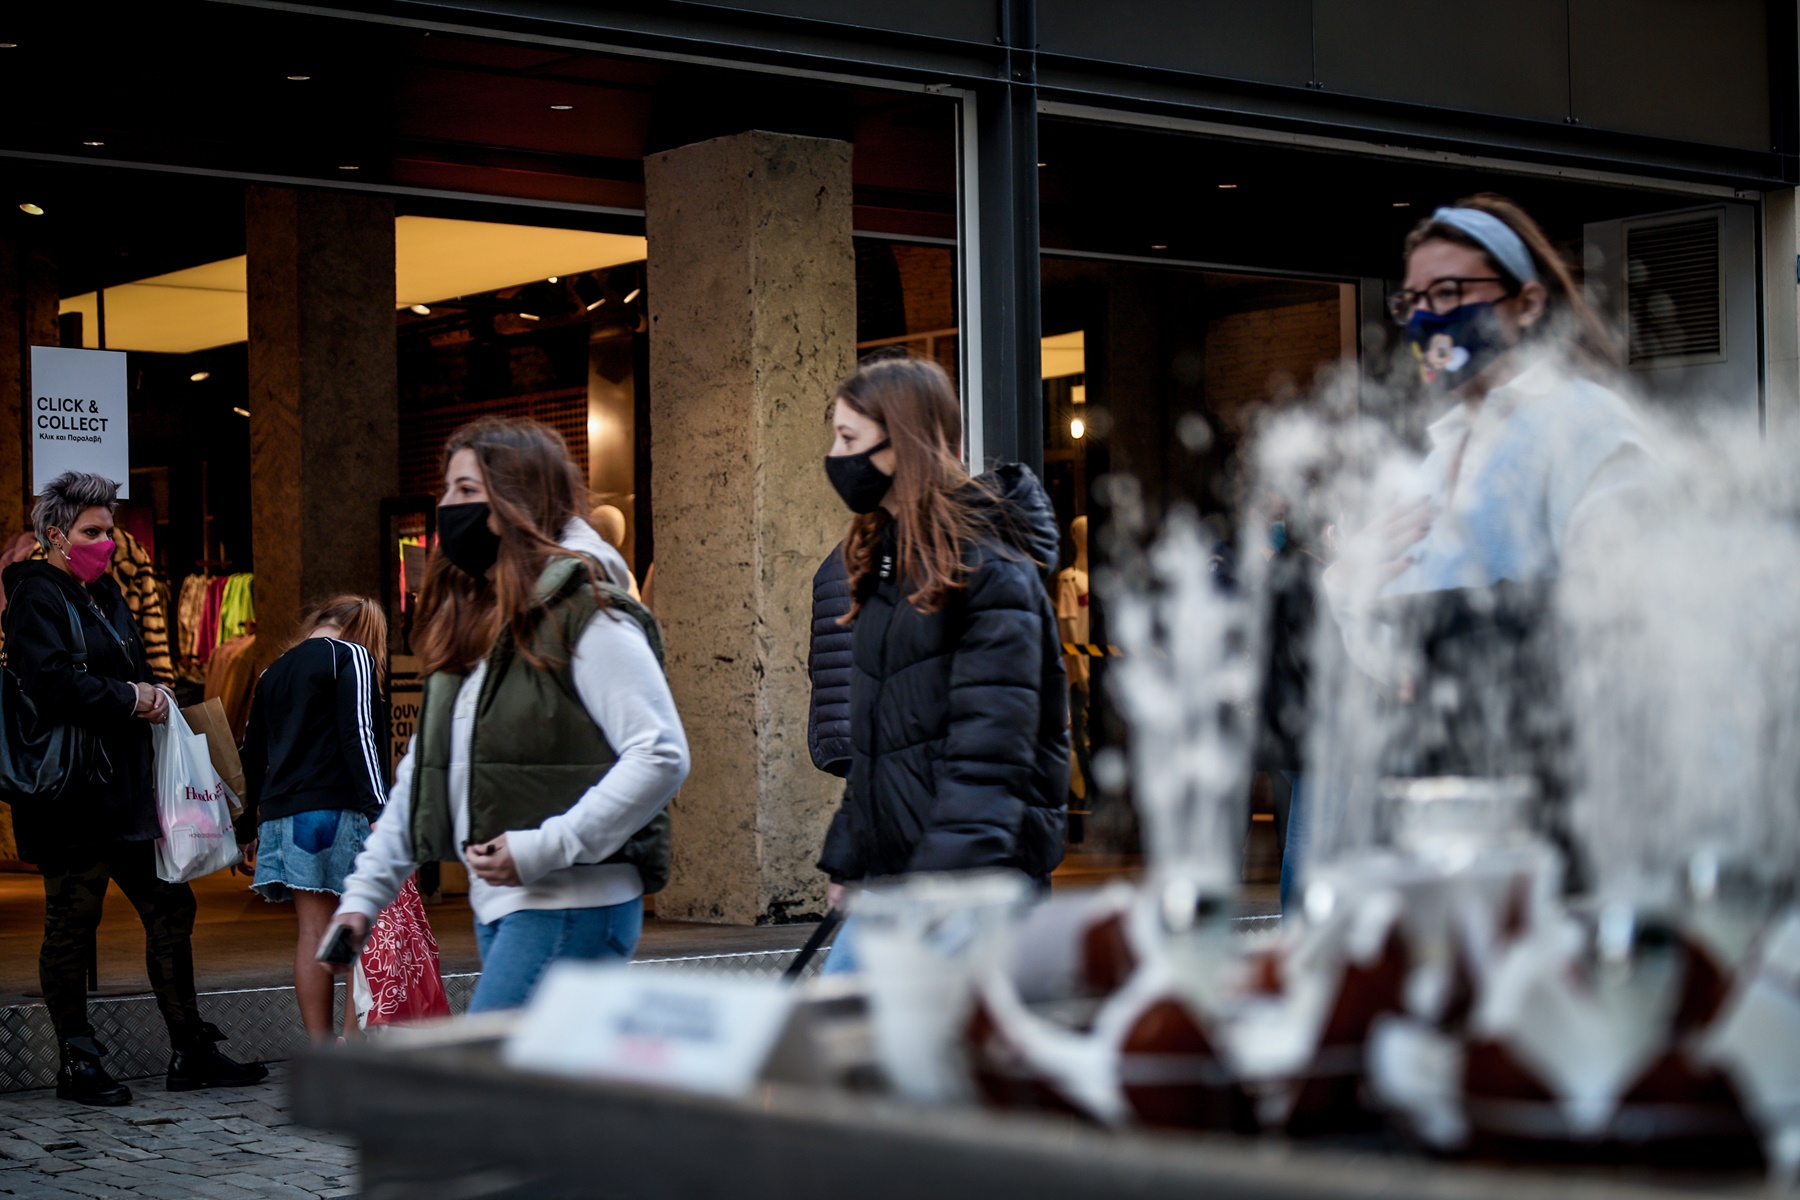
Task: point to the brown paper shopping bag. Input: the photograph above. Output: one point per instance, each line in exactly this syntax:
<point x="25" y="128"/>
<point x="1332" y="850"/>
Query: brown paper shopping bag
<point x="208" y="717"/>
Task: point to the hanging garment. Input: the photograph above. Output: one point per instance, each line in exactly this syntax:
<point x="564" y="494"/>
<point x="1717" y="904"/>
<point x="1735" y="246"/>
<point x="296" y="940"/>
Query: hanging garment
<point x="237" y="611"/>
<point x="209" y="619"/>
<point x="187" y="620"/>
<point x="133" y="571"/>
<point x="230" y="679"/>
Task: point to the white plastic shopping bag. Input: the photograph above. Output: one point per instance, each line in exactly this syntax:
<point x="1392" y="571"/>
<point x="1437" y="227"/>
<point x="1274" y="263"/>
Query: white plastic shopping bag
<point x="197" y="838"/>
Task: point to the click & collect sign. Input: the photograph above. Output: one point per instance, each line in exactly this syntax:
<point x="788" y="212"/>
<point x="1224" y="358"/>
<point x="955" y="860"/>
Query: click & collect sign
<point x="78" y="418"/>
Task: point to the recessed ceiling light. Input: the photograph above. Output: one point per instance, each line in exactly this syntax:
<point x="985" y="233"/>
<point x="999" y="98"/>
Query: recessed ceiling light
<point x="1403" y="204"/>
<point x="242" y="412"/>
<point x="1160" y="246"/>
<point x="1045" y="164"/>
<point x="200" y="376"/>
<point x="422" y="310"/>
<point x="299" y="78"/>
<point x="561" y="107"/>
<point x="554" y="278"/>
<point x="1077" y="428"/>
<point x="93" y="143"/>
<point x="529" y="317"/>
<point x="1227" y="186"/>
<point x="9" y="45"/>
<point x="349" y="168"/>
<point x="628" y="297"/>
<point x="596" y="304"/>
<point x="31" y="210"/>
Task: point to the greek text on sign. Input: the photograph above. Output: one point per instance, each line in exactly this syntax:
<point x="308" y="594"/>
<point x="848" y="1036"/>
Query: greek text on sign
<point x="78" y="418"/>
<point x="696" y="1032"/>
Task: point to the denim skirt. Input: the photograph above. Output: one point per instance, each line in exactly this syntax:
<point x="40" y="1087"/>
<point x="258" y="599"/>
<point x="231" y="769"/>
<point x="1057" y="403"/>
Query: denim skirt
<point x="308" y="852"/>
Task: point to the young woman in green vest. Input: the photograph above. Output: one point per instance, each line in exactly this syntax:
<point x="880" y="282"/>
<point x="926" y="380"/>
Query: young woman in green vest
<point x="548" y="745"/>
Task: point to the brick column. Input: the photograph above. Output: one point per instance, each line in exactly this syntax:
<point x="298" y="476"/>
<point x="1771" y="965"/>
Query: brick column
<point x="752" y="294"/>
<point x="324" y="401"/>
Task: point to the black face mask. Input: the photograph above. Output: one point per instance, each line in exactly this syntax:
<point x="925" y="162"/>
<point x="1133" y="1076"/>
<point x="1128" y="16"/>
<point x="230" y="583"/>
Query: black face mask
<point x="859" y="482"/>
<point x="464" y="536"/>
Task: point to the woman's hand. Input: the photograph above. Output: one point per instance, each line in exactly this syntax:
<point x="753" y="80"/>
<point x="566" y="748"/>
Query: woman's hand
<point x="246" y="865"/>
<point x="834" y="896"/>
<point x="1379" y="554"/>
<point x="494" y="864"/>
<point x="153" y="703"/>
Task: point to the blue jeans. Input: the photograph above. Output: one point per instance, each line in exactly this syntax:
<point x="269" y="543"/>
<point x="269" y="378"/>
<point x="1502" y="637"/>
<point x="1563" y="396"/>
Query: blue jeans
<point x="840" y="959"/>
<point x="516" y="948"/>
<point x="1294" y="849"/>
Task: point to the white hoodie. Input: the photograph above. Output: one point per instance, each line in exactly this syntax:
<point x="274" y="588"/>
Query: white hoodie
<point x="560" y="863"/>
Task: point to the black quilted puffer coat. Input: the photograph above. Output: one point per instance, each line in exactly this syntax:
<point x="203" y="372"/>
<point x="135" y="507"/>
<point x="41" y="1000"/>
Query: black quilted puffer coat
<point x="959" y="719"/>
<point x="828" y="722"/>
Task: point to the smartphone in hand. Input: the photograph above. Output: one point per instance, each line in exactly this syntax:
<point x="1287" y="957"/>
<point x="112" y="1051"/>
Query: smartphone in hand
<point x="339" y="949"/>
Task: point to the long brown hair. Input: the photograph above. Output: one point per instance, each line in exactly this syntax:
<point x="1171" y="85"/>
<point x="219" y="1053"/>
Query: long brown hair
<point x="913" y="400"/>
<point x="357" y="619"/>
<point x="534" y="491"/>
<point x="1589" y="337"/>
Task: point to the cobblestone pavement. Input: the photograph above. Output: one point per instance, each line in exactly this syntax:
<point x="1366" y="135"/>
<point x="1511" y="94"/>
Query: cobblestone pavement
<point x="217" y="1144"/>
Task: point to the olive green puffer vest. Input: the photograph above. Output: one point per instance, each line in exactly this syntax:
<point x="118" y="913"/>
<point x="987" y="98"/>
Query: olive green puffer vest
<point x="535" y="750"/>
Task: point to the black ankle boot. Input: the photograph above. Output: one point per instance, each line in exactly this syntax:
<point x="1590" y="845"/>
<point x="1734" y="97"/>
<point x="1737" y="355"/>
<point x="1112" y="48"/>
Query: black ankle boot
<point x="197" y="1063"/>
<point x="81" y="1078"/>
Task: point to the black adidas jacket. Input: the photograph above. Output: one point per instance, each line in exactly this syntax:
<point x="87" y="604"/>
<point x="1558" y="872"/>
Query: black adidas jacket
<point x="960" y="718"/>
<point x="315" y="736"/>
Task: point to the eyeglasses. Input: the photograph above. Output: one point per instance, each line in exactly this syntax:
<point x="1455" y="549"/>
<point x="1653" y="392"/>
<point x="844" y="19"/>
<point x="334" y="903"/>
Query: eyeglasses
<point x="1441" y="296"/>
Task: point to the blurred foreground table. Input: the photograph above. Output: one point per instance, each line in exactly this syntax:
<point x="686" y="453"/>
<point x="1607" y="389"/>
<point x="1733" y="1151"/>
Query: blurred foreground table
<point x="451" y="1120"/>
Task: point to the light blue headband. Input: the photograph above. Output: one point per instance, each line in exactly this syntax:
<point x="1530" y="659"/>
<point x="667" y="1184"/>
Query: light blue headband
<point x="1495" y="236"/>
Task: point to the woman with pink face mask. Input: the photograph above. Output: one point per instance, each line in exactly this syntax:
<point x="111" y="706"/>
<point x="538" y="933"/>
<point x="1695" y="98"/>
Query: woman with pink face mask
<point x="105" y="826"/>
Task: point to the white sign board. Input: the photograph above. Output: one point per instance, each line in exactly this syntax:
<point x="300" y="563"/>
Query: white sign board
<point x="78" y="415"/>
<point x="681" y="1029"/>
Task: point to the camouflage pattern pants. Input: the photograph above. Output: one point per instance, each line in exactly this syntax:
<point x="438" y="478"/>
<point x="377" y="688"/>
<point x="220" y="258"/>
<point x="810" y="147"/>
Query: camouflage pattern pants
<point x="74" y="890"/>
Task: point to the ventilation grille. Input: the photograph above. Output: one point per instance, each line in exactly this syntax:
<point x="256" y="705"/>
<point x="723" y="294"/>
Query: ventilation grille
<point x="1672" y="289"/>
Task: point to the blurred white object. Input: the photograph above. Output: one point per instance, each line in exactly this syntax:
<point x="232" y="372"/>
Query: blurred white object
<point x="922" y="942"/>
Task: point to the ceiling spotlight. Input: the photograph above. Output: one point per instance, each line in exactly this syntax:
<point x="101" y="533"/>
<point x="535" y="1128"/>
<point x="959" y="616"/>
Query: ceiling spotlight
<point x="554" y="278"/>
<point x="1228" y="186"/>
<point x="1043" y="164"/>
<point x="422" y="310"/>
<point x="200" y="376"/>
<point x="299" y="78"/>
<point x="1403" y="204"/>
<point x="561" y="107"/>
<point x="631" y="295"/>
<point x="9" y="45"/>
<point x="349" y="168"/>
<point x="596" y="304"/>
<point x="93" y="143"/>
<point x="1160" y="246"/>
<point x="31" y="210"/>
<point x="242" y="412"/>
<point x="529" y="317"/>
<point x="1077" y="428"/>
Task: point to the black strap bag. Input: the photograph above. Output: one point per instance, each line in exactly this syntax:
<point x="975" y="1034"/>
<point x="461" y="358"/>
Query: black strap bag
<point x="40" y="761"/>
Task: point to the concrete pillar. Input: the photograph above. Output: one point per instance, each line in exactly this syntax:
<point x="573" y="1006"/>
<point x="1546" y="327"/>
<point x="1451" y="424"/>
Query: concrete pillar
<point x="27" y="318"/>
<point x="28" y="303"/>
<point x="752" y="294"/>
<point x="324" y="400"/>
<point x="1781" y="312"/>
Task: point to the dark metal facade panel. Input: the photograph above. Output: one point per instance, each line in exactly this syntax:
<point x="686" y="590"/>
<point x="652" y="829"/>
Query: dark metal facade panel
<point x="1508" y="59"/>
<point x="960" y="20"/>
<point x="1269" y="42"/>
<point x="1686" y="69"/>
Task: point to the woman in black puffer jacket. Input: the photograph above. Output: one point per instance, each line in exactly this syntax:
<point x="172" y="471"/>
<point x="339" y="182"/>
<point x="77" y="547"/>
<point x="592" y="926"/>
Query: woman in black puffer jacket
<point x="959" y="715"/>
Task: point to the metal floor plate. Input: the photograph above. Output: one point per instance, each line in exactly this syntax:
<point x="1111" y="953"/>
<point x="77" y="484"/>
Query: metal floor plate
<point x="261" y="1023"/>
